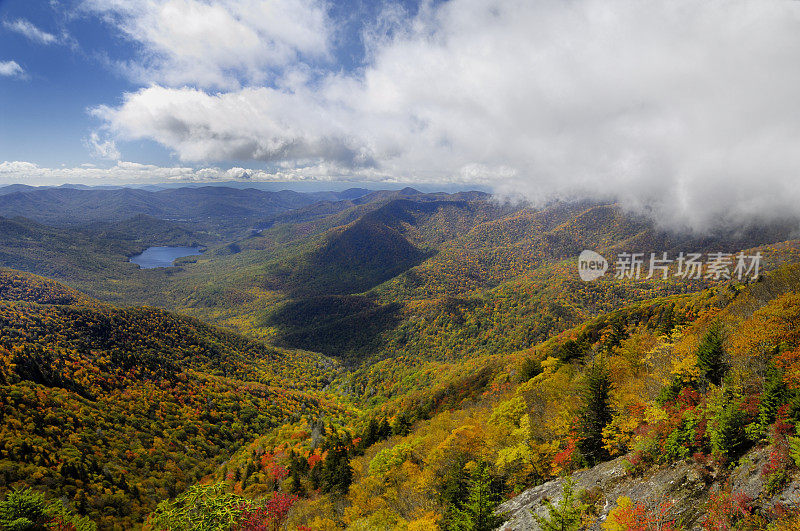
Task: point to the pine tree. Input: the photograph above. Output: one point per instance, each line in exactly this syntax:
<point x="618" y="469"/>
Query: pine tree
<point x="371" y="435"/>
<point x="595" y="413"/>
<point x="726" y="428"/>
<point x="248" y="471"/>
<point x="296" y="484"/>
<point x="384" y="429"/>
<point x="337" y="474"/>
<point x="530" y="368"/>
<point x="568" y="516"/>
<point x="711" y="354"/>
<point x="667" y="320"/>
<point x="477" y="512"/>
<point x="773" y="397"/>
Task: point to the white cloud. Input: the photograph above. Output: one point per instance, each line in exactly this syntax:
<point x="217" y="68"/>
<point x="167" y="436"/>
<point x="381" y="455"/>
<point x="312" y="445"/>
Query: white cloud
<point x="11" y="69"/>
<point x="31" y="173"/>
<point x="16" y="167"/>
<point x="125" y="172"/>
<point x="30" y="31"/>
<point x="104" y="149"/>
<point x="685" y="109"/>
<point x="216" y="44"/>
<point x="260" y="123"/>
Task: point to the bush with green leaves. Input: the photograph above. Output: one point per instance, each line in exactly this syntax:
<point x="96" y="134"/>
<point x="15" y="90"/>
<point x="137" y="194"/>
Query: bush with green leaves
<point x="794" y="449"/>
<point x="775" y="395"/>
<point x="391" y="458"/>
<point x="212" y="508"/>
<point x="28" y="510"/>
<point x="680" y="443"/>
<point x="200" y="508"/>
<point x="775" y="482"/>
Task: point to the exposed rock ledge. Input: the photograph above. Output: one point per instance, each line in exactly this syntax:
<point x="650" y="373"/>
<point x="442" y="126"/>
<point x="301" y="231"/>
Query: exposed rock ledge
<point x="683" y="483"/>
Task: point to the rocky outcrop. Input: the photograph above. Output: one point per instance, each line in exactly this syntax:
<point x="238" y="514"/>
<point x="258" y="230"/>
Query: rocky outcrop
<point x="685" y="485"/>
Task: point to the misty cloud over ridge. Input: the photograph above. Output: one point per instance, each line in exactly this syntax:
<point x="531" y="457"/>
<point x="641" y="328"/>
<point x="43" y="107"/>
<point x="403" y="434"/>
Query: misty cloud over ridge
<point x="687" y="109"/>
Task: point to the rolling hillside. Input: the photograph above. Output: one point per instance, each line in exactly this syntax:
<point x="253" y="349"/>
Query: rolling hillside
<point x="403" y="348"/>
<point x="506" y="421"/>
<point x="116" y="409"/>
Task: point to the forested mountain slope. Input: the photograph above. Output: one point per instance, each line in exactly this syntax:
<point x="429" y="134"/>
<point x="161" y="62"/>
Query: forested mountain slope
<point x="446" y="345"/>
<point x="117" y="409"/>
<point x="698" y="379"/>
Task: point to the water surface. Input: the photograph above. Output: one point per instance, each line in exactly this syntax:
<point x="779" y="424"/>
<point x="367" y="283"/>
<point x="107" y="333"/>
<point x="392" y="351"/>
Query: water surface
<point x="163" y="256"/>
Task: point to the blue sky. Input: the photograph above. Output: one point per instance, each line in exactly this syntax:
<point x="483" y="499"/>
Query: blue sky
<point x="44" y="115"/>
<point x="44" y="110"/>
<point x="686" y="110"/>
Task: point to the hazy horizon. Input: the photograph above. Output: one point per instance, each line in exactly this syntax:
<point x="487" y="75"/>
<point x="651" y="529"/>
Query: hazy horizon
<point x="684" y="110"/>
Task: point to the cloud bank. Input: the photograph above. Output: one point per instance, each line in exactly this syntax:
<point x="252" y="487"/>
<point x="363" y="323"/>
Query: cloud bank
<point x="124" y="172"/>
<point x="684" y="109"/>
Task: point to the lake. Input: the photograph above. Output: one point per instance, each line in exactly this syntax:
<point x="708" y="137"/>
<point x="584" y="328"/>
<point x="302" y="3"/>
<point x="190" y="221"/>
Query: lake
<point x="163" y="256"/>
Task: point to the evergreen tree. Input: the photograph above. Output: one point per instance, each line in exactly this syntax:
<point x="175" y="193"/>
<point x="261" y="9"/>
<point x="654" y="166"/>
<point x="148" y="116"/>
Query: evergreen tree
<point x="315" y="475"/>
<point x="595" y="413"/>
<point x="568" y="516"/>
<point x="371" y="435"/>
<point x="572" y="350"/>
<point x="711" y="354"/>
<point x="402" y="425"/>
<point x="248" y="471"/>
<point x="337" y="474"/>
<point x="774" y="396"/>
<point x="297" y="463"/>
<point x="384" y="429"/>
<point x="617" y="335"/>
<point x="477" y="511"/>
<point x="726" y="427"/>
<point x="296" y="484"/>
<point x="530" y="368"/>
<point x="667" y="320"/>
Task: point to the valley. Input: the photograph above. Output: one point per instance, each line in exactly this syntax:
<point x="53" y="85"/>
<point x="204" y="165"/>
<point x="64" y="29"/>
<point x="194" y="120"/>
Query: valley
<point x="366" y="360"/>
<point x="407" y="265"/>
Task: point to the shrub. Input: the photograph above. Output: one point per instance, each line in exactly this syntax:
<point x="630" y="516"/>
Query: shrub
<point x="530" y="368"/>
<point x="627" y="516"/>
<point x="201" y="508"/>
<point x="26" y="509"/>
<point x="265" y="515"/>
<point x="391" y="458"/>
<point x="725" y="510"/>
<point x="775" y="482"/>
